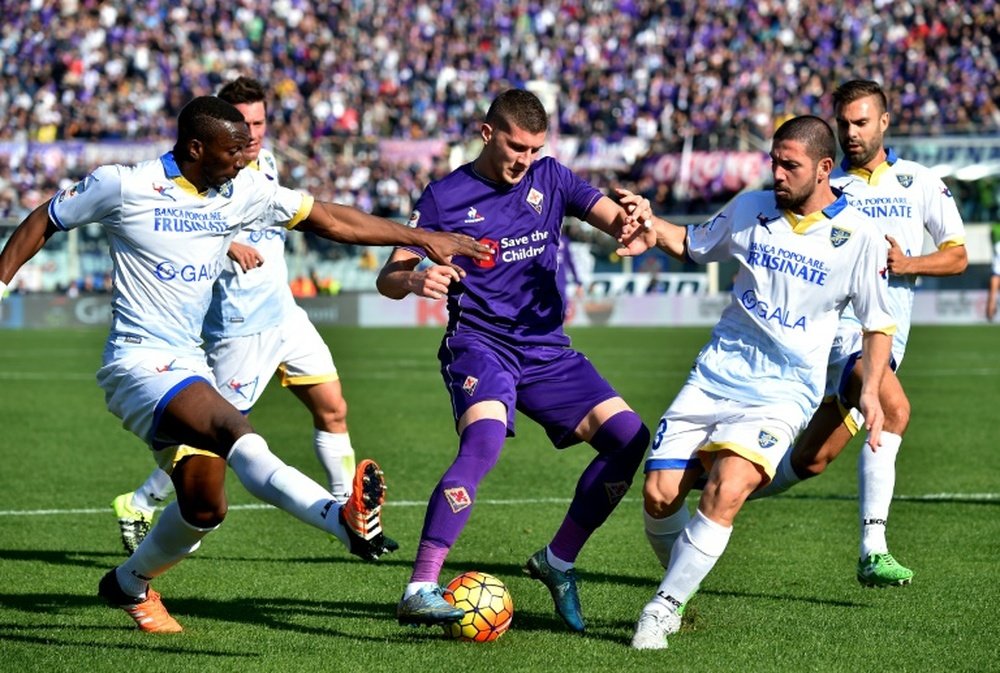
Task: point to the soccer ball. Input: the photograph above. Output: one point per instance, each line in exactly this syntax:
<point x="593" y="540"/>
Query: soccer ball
<point x="487" y="604"/>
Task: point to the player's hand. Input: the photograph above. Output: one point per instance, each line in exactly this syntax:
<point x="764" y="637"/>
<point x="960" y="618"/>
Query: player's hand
<point x="637" y="233"/>
<point x="433" y="282"/>
<point x="871" y="409"/>
<point x="442" y="246"/>
<point x="245" y="255"/>
<point x="897" y="260"/>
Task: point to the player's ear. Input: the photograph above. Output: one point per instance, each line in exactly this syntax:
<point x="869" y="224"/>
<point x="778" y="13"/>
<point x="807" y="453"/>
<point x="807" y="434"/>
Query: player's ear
<point x="194" y="149"/>
<point x="487" y="132"/>
<point x="823" y="169"/>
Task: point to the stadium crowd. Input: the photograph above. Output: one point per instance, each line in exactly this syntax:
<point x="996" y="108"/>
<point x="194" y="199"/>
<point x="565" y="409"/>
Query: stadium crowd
<point x="346" y="74"/>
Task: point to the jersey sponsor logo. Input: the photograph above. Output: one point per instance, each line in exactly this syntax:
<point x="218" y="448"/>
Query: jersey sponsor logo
<point x="789" y="262"/>
<point x="905" y="180"/>
<point x="183" y="221"/>
<point x="535" y="199"/>
<point x="884" y="206"/>
<point x="163" y="190"/>
<point x="469" y="385"/>
<point x="777" y="314"/>
<point x="414" y="219"/>
<point x="473" y="216"/>
<point x="458" y="498"/>
<point x="839" y="236"/>
<point x="766" y="440"/>
<point x="268" y="234"/>
<point x="494" y="250"/>
<point x="189" y="273"/>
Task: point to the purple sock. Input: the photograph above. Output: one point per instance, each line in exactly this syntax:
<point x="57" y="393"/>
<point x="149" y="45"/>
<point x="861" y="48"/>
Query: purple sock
<point x="620" y="443"/>
<point x="451" y="503"/>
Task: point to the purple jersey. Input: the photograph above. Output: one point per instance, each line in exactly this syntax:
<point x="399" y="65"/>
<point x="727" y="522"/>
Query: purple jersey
<point x="515" y="295"/>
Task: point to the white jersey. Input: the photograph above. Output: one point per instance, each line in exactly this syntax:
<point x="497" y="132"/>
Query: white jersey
<point x="903" y="199"/>
<point x="249" y="303"/>
<point x="796" y="275"/>
<point x="167" y="241"/>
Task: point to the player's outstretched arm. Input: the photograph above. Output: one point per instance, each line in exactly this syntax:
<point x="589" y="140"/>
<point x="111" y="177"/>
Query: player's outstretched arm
<point x="399" y="277"/>
<point x="350" y="225"/>
<point x="640" y="223"/>
<point x="29" y="237"/>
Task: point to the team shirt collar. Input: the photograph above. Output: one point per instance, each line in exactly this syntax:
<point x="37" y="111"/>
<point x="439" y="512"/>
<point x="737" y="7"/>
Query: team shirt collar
<point x="801" y="224"/>
<point x="872" y="177"/>
<point x="173" y="173"/>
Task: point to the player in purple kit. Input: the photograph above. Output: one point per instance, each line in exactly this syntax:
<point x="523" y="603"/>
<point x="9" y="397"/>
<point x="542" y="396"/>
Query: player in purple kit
<point x="504" y="348"/>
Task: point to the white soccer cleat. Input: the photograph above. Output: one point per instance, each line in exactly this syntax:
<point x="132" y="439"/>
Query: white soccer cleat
<point x="653" y="627"/>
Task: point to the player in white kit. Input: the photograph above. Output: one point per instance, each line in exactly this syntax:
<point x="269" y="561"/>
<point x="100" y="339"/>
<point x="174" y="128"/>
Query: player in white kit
<point x="803" y="255"/>
<point x="903" y="199"/>
<point x="254" y="328"/>
<point x="169" y="223"/>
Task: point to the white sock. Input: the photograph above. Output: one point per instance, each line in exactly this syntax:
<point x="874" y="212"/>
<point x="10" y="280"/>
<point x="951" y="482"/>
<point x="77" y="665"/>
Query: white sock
<point x="270" y="479"/>
<point x="336" y="455"/>
<point x="662" y="533"/>
<point x="169" y="541"/>
<point x="784" y="478"/>
<point x="876" y="481"/>
<point x="153" y="491"/>
<point x="692" y="558"/>
<point x="556" y="562"/>
<point x="416" y="587"/>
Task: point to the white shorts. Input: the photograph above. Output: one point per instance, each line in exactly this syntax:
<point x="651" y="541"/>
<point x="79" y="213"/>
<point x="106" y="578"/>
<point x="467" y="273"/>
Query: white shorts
<point x="243" y="365"/>
<point x="139" y="382"/>
<point x="996" y="258"/>
<point x="699" y="424"/>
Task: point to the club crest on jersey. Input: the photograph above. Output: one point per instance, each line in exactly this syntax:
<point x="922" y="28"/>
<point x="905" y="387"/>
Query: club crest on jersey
<point x="414" y="219"/>
<point x="226" y="190"/>
<point x="473" y="216"/>
<point x="766" y="439"/>
<point x="839" y="236"/>
<point x="535" y="199"/>
<point x="469" y="386"/>
<point x="905" y="180"/>
<point x="458" y="498"/>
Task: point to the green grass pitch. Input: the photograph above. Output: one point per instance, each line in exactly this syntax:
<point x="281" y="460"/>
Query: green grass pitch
<point x="267" y="593"/>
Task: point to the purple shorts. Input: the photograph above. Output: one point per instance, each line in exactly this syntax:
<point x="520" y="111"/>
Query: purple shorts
<point x="552" y="385"/>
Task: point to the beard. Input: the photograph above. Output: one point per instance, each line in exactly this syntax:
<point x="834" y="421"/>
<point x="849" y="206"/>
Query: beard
<point x="790" y="200"/>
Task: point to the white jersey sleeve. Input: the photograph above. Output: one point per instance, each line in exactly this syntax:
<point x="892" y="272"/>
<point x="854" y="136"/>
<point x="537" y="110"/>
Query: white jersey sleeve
<point x="95" y="198"/>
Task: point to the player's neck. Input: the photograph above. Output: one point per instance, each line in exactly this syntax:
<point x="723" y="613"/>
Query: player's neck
<point x="822" y="197"/>
<point x="880" y="157"/>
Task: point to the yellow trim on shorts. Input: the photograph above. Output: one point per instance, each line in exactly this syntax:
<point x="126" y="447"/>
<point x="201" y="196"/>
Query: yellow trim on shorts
<point x="757" y="459"/>
<point x="167" y="458"/>
<point x="312" y="380"/>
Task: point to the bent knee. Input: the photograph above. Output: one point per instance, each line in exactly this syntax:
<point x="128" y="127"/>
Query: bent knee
<point x="660" y="500"/>
<point x="205" y="516"/>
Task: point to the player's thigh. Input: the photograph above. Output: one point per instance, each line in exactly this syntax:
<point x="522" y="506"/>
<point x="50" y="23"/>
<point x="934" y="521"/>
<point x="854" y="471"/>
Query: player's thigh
<point x="759" y="434"/>
<point x="476" y="371"/>
<point x="560" y="389"/>
<point x="140" y="383"/>
<point x="199" y="416"/>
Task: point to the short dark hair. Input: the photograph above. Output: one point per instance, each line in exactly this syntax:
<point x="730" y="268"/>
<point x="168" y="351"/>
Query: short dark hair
<point x="201" y="119"/>
<point x="517" y="107"/>
<point x="814" y="133"/>
<point x="848" y="92"/>
<point x="243" y="90"/>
